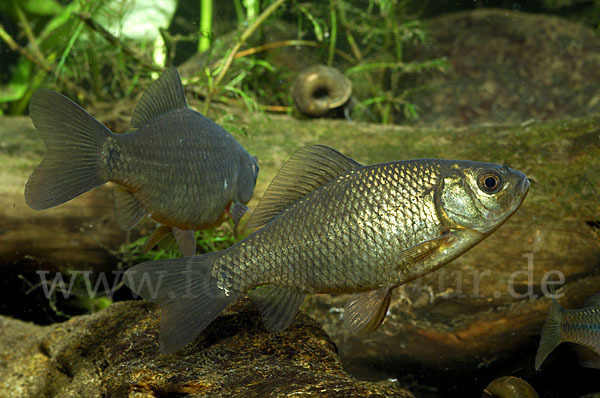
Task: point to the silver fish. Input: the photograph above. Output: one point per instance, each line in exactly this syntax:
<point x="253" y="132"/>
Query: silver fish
<point x="332" y="225"/>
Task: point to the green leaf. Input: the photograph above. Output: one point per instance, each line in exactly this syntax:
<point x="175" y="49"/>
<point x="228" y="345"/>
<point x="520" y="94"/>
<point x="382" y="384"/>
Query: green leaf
<point x="316" y="26"/>
<point x="59" y="20"/>
<point x="410" y="112"/>
<point x="42" y="7"/>
<point x="17" y="87"/>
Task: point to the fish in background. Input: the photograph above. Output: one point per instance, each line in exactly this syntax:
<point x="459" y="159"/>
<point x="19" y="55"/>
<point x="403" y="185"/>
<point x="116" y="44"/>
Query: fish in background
<point x="580" y="326"/>
<point x="176" y="165"/>
<point x="332" y="225"/>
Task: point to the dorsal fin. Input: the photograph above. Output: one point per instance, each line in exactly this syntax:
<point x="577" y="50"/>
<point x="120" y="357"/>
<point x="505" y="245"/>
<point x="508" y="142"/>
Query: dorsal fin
<point x="164" y="95"/>
<point x="308" y="169"/>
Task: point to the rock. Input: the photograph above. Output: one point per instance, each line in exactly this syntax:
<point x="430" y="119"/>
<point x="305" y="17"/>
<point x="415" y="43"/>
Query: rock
<point x="508" y="67"/>
<point x="114" y="353"/>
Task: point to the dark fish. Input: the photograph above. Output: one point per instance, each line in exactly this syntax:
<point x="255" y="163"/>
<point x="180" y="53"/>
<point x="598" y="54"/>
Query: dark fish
<point x="176" y="165"/>
<point x="332" y="225"/>
<point x="581" y="326"/>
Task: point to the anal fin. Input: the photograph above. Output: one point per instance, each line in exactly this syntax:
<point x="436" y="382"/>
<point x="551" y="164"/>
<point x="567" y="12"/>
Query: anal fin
<point x="364" y="312"/>
<point x="278" y="305"/>
<point x="128" y="210"/>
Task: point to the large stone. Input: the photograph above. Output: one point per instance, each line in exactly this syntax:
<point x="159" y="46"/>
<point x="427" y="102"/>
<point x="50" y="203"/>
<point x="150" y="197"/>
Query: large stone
<point x="507" y="67"/>
<point x="114" y="353"/>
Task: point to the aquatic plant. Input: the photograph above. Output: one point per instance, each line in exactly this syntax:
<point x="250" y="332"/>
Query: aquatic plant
<point x="209" y="240"/>
<point x="81" y="50"/>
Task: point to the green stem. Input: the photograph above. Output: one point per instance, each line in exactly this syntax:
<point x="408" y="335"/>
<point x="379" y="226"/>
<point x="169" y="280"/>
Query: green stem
<point x="239" y="12"/>
<point x="333" y="36"/>
<point x="68" y="48"/>
<point x="205" y="25"/>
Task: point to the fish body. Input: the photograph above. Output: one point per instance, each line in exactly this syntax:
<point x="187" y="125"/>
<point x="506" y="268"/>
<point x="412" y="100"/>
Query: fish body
<point x="578" y="326"/>
<point x="332" y="225"/>
<point x="186" y="181"/>
<point x="175" y="165"/>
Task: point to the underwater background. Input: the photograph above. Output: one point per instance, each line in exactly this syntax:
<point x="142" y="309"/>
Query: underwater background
<point x="514" y="83"/>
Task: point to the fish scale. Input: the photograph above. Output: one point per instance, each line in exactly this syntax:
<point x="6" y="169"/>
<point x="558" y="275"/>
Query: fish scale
<point x="582" y="326"/>
<point x="332" y="225"/>
<point x="362" y="193"/>
<point x="162" y="188"/>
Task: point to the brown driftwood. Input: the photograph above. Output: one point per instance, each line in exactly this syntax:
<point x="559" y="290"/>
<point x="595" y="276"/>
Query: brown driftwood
<point x="558" y="224"/>
<point x="78" y="234"/>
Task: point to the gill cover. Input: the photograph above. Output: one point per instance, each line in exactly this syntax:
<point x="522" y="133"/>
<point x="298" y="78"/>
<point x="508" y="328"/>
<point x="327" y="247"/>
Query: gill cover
<point x="480" y="197"/>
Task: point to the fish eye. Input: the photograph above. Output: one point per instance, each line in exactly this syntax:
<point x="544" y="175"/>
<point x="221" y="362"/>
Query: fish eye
<point x="489" y="182"/>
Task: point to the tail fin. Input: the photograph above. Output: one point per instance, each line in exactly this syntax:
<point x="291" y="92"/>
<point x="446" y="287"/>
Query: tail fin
<point x="550" y="334"/>
<point x="73" y="138"/>
<point x="187" y="293"/>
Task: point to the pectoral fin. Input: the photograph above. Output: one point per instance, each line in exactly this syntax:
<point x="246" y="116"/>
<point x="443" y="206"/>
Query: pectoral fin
<point x="364" y="312"/>
<point x="278" y="305"/>
<point x="425" y="249"/>
<point x="237" y="212"/>
<point x="186" y="240"/>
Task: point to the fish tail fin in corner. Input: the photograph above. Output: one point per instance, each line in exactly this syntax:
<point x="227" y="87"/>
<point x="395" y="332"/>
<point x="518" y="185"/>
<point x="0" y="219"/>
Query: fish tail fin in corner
<point x="73" y="138"/>
<point x="551" y="335"/>
<point x="188" y="294"/>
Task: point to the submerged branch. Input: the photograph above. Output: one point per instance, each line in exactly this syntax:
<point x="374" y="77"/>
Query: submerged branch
<point x="112" y="39"/>
<point x="289" y="43"/>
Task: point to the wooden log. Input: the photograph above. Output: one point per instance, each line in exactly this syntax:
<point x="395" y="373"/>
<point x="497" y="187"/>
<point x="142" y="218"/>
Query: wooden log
<point x="557" y="225"/>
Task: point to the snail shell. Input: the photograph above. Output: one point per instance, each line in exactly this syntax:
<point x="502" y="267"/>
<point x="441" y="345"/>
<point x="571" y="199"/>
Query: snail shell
<point x="319" y="89"/>
<point x="509" y="387"/>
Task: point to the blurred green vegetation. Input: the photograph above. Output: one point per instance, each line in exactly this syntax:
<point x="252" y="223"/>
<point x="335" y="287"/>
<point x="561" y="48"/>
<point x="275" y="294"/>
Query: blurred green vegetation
<point x="253" y="48"/>
<point x="210" y="240"/>
<point x="68" y="46"/>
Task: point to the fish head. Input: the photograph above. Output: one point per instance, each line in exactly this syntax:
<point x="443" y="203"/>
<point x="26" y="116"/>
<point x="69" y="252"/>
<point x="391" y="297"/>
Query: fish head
<point x="247" y="177"/>
<point x="481" y="196"/>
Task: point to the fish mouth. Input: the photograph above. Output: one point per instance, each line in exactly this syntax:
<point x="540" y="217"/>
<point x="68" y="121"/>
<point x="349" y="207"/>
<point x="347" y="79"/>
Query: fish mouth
<point x="524" y="190"/>
<point x="525" y="186"/>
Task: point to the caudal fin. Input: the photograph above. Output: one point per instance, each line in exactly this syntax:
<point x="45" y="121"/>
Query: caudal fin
<point x="187" y="293"/>
<point x="73" y="138"/>
<point x="550" y="334"/>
